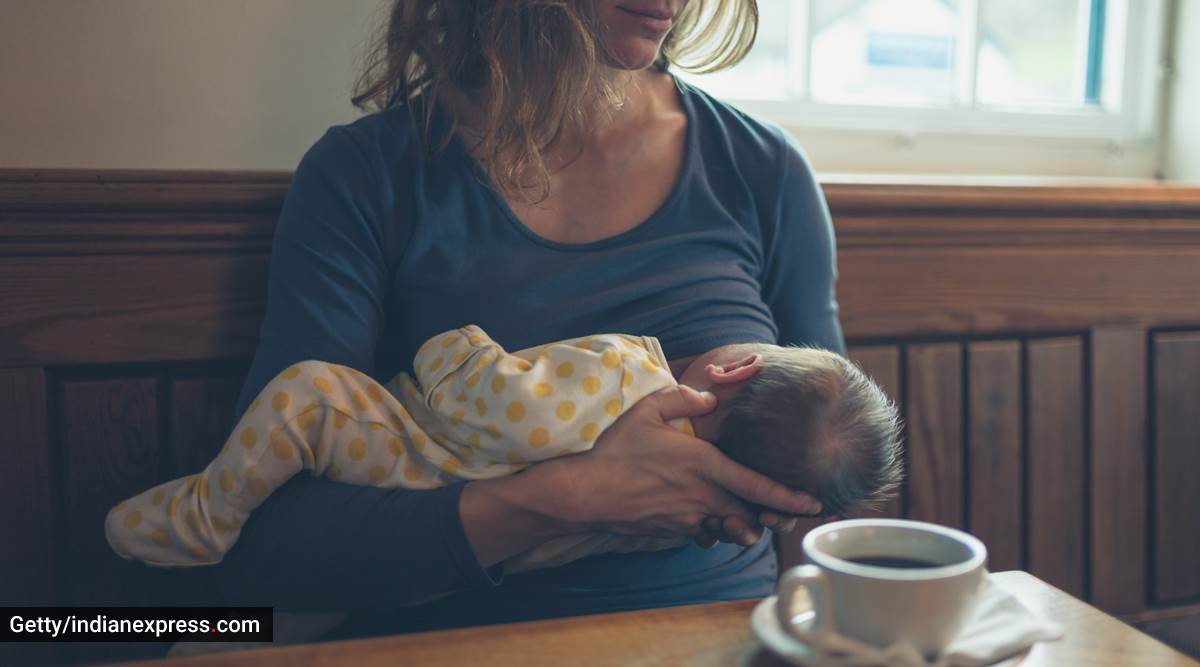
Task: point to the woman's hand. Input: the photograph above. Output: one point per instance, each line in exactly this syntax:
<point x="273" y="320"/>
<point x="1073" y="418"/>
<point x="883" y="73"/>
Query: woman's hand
<point x="644" y="477"/>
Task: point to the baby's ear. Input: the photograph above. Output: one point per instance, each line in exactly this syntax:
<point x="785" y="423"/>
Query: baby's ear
<point x="737" y="371"/>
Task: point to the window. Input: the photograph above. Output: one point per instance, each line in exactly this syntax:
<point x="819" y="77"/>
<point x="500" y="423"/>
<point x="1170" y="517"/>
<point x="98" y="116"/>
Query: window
<point x="1049" y="69"/>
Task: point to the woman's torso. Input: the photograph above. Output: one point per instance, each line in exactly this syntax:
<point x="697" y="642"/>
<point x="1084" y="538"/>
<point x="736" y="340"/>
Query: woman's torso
<point x="690" y="275"/>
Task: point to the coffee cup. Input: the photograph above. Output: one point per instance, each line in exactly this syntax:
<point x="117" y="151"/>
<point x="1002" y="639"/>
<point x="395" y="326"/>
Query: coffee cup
<point x="883" y="581"/>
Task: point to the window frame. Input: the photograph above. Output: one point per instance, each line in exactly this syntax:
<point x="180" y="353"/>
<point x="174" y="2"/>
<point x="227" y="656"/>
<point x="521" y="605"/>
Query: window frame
<point x="1140" y="73"/>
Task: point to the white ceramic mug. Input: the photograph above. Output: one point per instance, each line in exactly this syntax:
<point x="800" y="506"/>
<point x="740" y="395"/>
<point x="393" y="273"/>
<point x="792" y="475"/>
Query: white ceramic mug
<point x="883" y="604"/>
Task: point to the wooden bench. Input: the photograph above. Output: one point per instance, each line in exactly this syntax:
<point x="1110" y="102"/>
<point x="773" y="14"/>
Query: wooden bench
<point x="1044" y="343"/>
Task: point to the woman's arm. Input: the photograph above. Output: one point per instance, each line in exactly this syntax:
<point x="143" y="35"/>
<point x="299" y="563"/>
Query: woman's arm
<point x="801" y="258"/>
<point x="315" y="543"/>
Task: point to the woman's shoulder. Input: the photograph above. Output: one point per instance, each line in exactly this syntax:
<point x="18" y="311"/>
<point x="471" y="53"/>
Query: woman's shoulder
<point x="383" y="139"/>
<point x="755" y="143"/>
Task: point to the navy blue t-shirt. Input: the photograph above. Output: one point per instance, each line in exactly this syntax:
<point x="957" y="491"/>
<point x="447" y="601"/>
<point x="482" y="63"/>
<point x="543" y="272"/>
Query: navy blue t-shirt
<point x="379" y="246"/>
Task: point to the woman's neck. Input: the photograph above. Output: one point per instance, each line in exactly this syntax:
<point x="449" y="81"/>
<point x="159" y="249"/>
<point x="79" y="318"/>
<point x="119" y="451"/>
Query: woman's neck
<point x="638" y="94"/>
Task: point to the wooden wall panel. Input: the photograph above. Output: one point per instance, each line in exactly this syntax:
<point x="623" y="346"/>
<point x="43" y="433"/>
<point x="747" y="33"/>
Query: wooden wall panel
<point x="935" y="395"/>
<point x="201" y="419"/>
<point x="1176" y="467"/>
<point x="994" y="450"/>
<point x="882" y="364"/>
<point x="157" y="308"/>
<point x="111" y="447"/>
<point x="899" y="292"/>
<point x="1057" y="498"/>
<point x="26" y="515"/>
<point x="1118" y="469"/>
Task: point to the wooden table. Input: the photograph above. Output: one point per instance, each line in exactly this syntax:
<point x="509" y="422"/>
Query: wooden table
<point x="709" y="634"/>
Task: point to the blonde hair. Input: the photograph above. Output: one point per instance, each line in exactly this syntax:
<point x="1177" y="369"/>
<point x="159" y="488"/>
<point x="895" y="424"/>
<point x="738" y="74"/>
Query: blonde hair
<point x="534" y="67"/>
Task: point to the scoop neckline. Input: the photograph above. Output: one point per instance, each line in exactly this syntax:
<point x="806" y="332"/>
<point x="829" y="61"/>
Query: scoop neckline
<point x="686" y="170"/>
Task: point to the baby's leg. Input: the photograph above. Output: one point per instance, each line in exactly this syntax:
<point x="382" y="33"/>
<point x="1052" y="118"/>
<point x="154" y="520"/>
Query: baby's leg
<point x="330" y="420"/>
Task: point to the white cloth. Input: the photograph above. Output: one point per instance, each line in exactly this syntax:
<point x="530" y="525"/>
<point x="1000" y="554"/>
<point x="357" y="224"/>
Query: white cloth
<point x="999" y="627"/>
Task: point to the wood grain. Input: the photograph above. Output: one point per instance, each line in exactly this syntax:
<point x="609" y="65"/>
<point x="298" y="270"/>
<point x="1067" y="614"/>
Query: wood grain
<point x="702" y="635"/>
<point x="1176" y="467"/>
<point x="1057" y="464"/>
<point x="907" y="197"/>
<point x="110" y="441"/>
<point x="892" y="292"/>
<point x="995" y="495"/>
<point x="935" y="394"/>
<point x="882" y="364"/>
<point x="1118" y="470"/>
<point x="26" y="516"/>
<point x="93" y="190"/>
<point x="201" y="419"/>
<point x="147" y="308"/>
<point x="111" y="446"/>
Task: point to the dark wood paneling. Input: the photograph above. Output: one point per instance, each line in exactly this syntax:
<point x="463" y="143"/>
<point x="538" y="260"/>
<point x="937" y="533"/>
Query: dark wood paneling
<point x="1176" y="466"/>
<point x="994" y="454"/>
<point x="1118" y="470"/>
<point x="89" y="309"/>
<point x="882" y="364"/>
<point x="892" y="292"/>
<point x="201" y="418"/>
<point x="101" y="190"/>
<point x="935" y="458"/>
<point x="1056" y="467"/>
<point x="877" y="197"/>
<point x="111" y="445"/>
<point x="26" y="515"/>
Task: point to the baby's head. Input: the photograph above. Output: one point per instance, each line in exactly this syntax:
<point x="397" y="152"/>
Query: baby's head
<point x="803" y="416"/>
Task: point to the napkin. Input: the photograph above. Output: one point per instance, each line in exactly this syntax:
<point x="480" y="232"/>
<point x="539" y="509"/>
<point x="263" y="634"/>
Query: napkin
<point x="999" y="626"/>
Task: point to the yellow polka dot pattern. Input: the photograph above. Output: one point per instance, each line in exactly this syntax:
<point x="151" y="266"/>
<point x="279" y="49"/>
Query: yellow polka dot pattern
<point x="539" y="437"/>
<point x="565" y="410"/>
<point x="515" y="411"/>
<point x="591" y="385"/>
<point x="227" y="481"/>
<point x="589" y="432"/>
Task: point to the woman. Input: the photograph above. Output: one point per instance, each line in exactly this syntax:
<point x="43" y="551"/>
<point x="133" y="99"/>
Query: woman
<point x="536" y="170"/>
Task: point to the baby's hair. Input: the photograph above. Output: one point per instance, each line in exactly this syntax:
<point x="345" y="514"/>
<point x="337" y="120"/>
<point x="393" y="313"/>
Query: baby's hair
<point x="815" y="422"/>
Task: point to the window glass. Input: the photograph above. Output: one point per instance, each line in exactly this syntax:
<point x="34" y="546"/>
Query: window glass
<point x="882" y="51"/>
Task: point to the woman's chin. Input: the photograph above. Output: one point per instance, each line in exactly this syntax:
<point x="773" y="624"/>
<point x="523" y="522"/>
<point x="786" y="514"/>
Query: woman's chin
<point x="634" y="54"/>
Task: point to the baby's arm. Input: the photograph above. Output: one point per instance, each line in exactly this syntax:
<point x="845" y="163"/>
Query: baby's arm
<point x="539" y="403"/>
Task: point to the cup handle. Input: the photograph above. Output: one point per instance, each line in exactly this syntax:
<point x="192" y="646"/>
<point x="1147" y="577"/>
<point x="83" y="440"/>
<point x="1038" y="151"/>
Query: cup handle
<point x="811" y="577"/>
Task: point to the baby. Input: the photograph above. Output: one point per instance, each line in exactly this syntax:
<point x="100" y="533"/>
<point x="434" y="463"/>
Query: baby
<point x="805" y="417"/>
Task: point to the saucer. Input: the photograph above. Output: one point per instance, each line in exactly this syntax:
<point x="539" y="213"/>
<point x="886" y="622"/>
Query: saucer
<point x="765" y="623"/>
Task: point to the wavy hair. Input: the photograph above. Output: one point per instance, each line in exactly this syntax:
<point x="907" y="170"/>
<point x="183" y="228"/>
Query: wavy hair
<point x="533" y="69"/>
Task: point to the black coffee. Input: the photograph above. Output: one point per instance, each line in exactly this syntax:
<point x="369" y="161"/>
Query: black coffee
<point x="893" y="562"/>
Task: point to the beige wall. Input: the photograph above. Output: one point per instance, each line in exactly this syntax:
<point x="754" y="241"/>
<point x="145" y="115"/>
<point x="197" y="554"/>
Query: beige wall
<point x="204" y="84"/>
<point x="1183" y="143"/>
